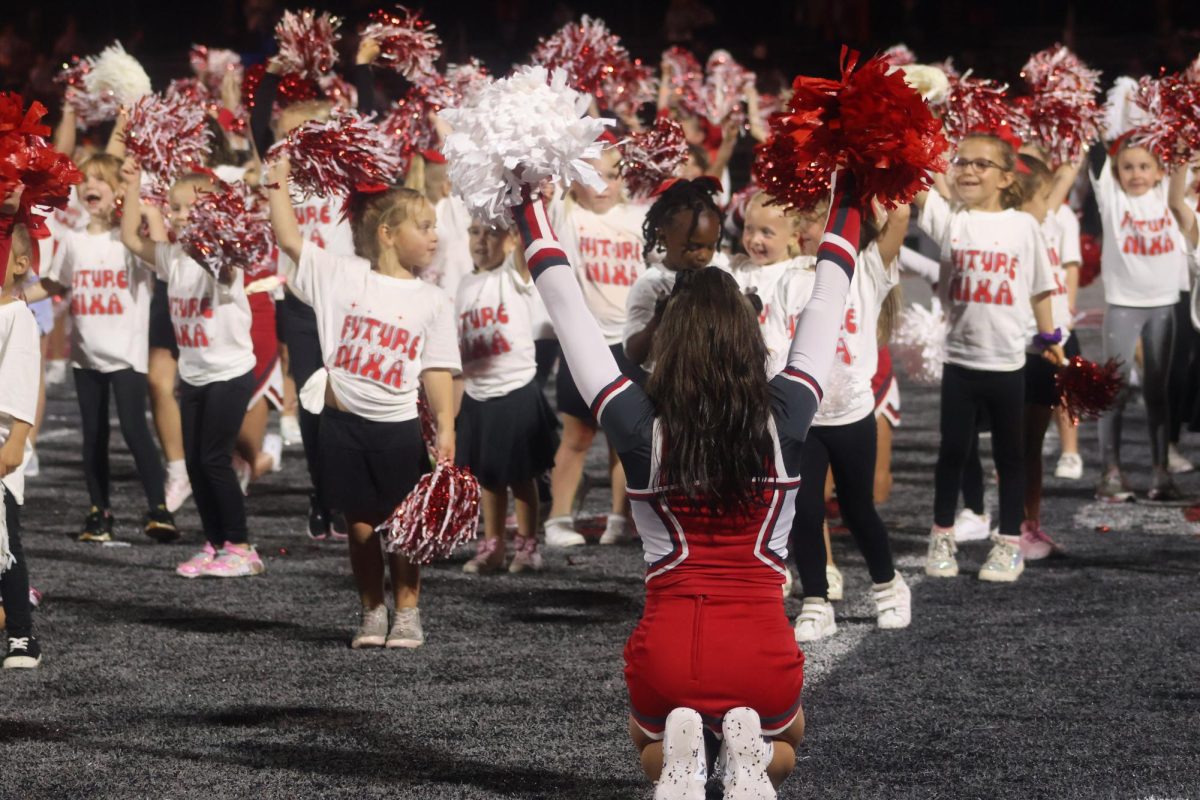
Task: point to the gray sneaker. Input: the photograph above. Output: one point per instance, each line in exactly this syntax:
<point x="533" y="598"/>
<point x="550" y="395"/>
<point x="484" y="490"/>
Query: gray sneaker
<point x="406" y="629"/>
<point x="1113" y="489"/>
<point x="1004" y="563"/>
<point x="372" y="630"/>
<point x="940" y="561"/>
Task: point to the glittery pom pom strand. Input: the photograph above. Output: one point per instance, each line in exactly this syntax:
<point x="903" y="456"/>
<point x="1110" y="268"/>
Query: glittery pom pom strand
<point x="440" y="515"/>
<point x="336" y="156"/>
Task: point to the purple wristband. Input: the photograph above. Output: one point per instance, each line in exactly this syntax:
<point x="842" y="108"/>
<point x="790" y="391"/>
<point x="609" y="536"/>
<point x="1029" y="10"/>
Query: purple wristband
<point x="1044" y="340"/>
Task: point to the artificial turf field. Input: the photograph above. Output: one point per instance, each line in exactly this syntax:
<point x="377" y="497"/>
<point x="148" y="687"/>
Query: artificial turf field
<point x="1080" y="681"/>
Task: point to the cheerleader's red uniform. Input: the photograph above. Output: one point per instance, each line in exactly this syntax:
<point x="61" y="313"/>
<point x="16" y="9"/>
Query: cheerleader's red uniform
<point x="714" y="635"/>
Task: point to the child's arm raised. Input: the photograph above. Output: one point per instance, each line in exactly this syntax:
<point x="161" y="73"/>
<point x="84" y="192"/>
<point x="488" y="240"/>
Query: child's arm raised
<point x="364" y="81"/>
<point x="65" y="132"/>
<point x="283" y="214"/>
<point x="131" y="220"/>
<point x="891" y="238"/>
<point x="1060" y="188"/>
<point x="1185" y="216"/>
<point x="116" y="139"/>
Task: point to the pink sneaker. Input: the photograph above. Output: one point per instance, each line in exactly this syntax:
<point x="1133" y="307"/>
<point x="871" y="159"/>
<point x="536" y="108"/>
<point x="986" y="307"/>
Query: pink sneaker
<point x="235" y="561"/>
<point x="527" y="558"/>
<point x="196" y="564"/>
<point x="1035" y="544"/>
<point x="485" y="559"/>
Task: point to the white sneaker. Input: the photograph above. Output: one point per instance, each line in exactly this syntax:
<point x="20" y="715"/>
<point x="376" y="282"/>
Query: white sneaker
<point x="833" y="577"/>
<point x="616" y="530"/>
<point x="893" y="603"/>
<point x="746" y="755"/>
<point x="1176" y="464"/>
<point x="940" y="561"/>
<point x="372" y="628"/>
<point x="971" y="527"/>
<point x="289" y="430"/>
<point x="685" y="769"/>
<point x="178" y="491"/>
<point x="560" y="532"/>
<point x="1070" y="466"/>
<point x="1004" y="562"/>
<point x="815" y="621"/>
<point x="273" y="446"/>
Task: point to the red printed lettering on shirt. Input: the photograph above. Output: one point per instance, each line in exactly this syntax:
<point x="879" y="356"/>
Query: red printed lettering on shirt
<point x="843" y="352"/>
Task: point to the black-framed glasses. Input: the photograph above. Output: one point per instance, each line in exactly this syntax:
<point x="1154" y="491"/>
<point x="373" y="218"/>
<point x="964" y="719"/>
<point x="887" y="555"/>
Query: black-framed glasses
<point x="977" y="164"/>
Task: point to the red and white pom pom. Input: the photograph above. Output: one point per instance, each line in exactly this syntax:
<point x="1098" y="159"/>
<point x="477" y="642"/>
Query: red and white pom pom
<point x="1172" y="127"/>
<point x="1087" y="389"/>
<point x="870" y="123"/>
<point x="193" y="90"/>
<point x="975" y="104"/>
<point x="336" y="156"/>
<point x="440" y="515"/>
<point x="629" y="87"/>
<point x="1061" y="112"/>
<point x="168" y="137"/>
<point x="650" y="157"/>
<point x="919" y="343"/>
<point x="687" y="79"/>
<point x="308" y="42"/>
<point x="726" y="85"/>
<point x="408" y="128"/>
<point x="449" y="90"/>
<point x="407" y="43"/>
<point x="587" y="50"/>
<point x="27" y="159"/>
<point x="293" y="88"/>
<point x="338" y="90"/>
<point x="898" y="55"/>
<point x="230" y="227"/>
<point x="212" y="64"/>
<point x="90" y="109"/>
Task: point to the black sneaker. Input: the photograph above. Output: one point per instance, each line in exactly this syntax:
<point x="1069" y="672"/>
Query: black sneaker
<point x="318" y="520"/>
<point x="338" y="529"/>
<point x="23" y="653"/>
<point x="160" y="525"/>
<point x="98" y="526"/>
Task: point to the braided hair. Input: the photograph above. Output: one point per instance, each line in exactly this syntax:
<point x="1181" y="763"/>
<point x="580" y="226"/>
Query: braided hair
<point x="696" y="195"/>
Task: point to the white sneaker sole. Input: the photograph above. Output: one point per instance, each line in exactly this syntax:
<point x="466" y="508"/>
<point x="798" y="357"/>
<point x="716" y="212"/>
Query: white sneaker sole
<point x="364" y="642"/>
<point x="404" y="644"/>
<point x="941" y="572"/>
<point x="683" y="749"/>
<point x="822" y="633"/>
<point x="745" y="757"/>
<point x="1002" y="577"/>
<point x="25" y="662"/>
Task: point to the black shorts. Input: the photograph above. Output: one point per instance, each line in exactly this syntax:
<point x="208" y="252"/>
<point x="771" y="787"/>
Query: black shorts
<point x="568" y="397"/>
<point x="507" y="440"/>
<point x="1040" y="388"/>
<point x="367" y="468"/>
<point x="162" y="333"/>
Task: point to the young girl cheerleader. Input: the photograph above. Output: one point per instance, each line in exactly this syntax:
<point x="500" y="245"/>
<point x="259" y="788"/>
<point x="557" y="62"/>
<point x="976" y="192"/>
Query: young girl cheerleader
<point x="994" y="269"/>
<point x="20" y="375"/>
<point x="383" y="333"/>
<point x="427" y="173"/>
<point x="216" y="369"/>
<point x="603" y="235"/>
<point x="843" y="438"/>
<point x="110" y="311"/>
<point x="1141" y="260"/>
<point x="507" y="433"/>
<point x="711" y="451"/>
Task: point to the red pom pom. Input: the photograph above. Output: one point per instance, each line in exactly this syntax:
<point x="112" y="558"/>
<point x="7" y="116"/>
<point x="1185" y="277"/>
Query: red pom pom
<point x="898" y="55"/>
<point x="407" y="43"/>
<point x="975" y="105"/>
<point x="650" y="157"/>
<point x="627" y="88"/>
<point x="308" y="42"/>
<point x="231" y="227"/>
<point x="211" y="65"/>
<point x="90" y="109"/>
<point x="1061" y="111"/>
<point x="168" y="137"/>
<point x="336" y="156"/>
<point x="449" y="90"/>
<point x="293" y="88"/>
<point x="408" y="127"/>
<point x="28" y="160"/>
<point x="587" y="50"/>
<point x="440" y="515"/>
<point x="687" y="79"/>
<point x="870" y="123"/>
<point x="1087" y="389"/>
<point x="1172" y="104"/>
<point x="725" y="87"/>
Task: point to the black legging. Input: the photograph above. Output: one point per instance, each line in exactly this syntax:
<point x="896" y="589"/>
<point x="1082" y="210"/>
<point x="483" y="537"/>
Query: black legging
<point x="304" y="358"/>
<point x="91" y="387"/>
<point x="964" y="393"/>
<point x="14" y="582"/>
<point x="1184" y="379"/>
<point x="850" y="451"/>
<point x="212" y="416"/>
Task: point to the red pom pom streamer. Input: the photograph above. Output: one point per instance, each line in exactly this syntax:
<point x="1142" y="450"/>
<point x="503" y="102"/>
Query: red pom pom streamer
<point x="336" y="156"/>
<point x="725" y="88"/>
<point x="211" y="65"/>
<point x="449" y="90"/>
<point x="28" y="160"/>
<point x="1086" y="389"/>
<point x="338" y="91"/>
<point x="90" y="109"/>
<point x="974" y="105"/>
<point x="650" y="157"/>
<point x="407" y="43"/>
<point x="1172" y="104"/>
<point x="687" y="79"/>
<point x="408" y="127"/>
<point x="230" y="227"/>
<point x="440" y="515"/>
<point x="293" y="88"/>
<point x="168" y="137"/>
<point x="1061" y="112"/>
<point x="308" y="42"/>
<point x="870" y="123"/>
<point x="587" y="50"/>
<point x="627" y="88"/>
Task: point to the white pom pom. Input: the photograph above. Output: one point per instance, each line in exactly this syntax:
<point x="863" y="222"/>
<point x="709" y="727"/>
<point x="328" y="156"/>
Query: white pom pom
<point x="524" y="124"/>
<point x="929" y="80"/>
<point x="919" y="343"/>
<point x="119" y="74"/>
<point x="1121" y="111"/>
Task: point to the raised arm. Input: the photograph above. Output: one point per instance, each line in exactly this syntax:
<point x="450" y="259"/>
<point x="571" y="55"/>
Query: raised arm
<point x="116" y="139"/>
<point x="1064" y="179"/>
<point x="283" y="214"/>
<point x="1185" y="215"/>
<point x="131" y="219"/>
<point x="891" y="238"/>
<point x="361" y="77"/>
<point x="264" y="100"/>
<point x="65" y="132"/>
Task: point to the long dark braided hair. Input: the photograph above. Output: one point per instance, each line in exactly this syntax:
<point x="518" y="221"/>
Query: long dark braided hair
<point x="696" y="195"/>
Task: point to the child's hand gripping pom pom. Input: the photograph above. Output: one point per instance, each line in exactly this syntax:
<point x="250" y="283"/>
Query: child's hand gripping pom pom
<point x="919" y="343"/>
<point x="168" y="137"/>
<point x="869" y="123"/>
<point x="1061" y="112"/>
<point x="97" y="86"/>
<point x="725" y="87"/>
<point x="90" y="109"/>
<point x="308" y="42"/>
<point x="1086" y="389"/>
<point x="336" y="156"/>
<point x="520" y="130"/>
<point x="211" y="64"/>
<point x="686" y="79"/>
<point x="440" y="515"/>
<point x="407" y="43"/>
<point x="230" y="227"/>
<point x="650" y="157"/>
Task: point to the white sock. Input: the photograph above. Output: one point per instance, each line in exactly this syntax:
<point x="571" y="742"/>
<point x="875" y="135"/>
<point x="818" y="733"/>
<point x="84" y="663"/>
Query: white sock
<point x="177" y="470"/>
<point x="561" y="522"/>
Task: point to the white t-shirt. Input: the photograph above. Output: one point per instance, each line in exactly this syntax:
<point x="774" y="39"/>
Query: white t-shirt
<point x="761" y="279"/>
<point x="452" y="261"/>
<point x="110" y="300"/>
<point x="652" y="285"/>
<point x="496" y="312"/>
<point x="606" y="252"/>
<point x="992" y="264"/>
<point x="847" y="391"/>
<point x="1142" y="257"/>
<point x="320" y="221"/>
<point x="20" y="374"/>
<point x="377" y="333"/>
<point x="791" y="294"/>
<point x="211" y="320"/>
<point x="1060" y="301"/>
